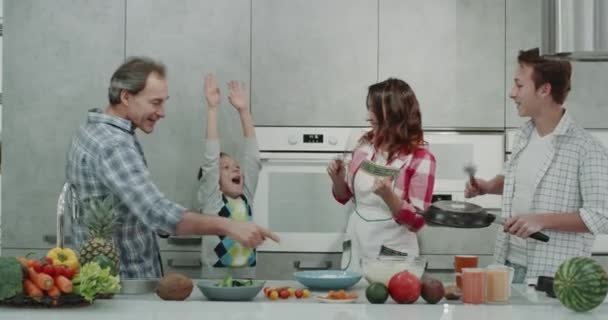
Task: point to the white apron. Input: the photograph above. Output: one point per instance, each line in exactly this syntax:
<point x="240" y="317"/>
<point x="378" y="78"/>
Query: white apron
<point x="371" y="224"/>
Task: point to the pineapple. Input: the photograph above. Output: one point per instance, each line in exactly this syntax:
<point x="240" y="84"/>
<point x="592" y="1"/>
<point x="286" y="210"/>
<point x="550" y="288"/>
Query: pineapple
<point x="100" y="219"/>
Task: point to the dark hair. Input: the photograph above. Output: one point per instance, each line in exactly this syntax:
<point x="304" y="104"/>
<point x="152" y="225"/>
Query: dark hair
<point x="552" y="71"/>
<point x="131" y="76"/>
<point x="397" y="111"/>
<point x="200" y="170"/>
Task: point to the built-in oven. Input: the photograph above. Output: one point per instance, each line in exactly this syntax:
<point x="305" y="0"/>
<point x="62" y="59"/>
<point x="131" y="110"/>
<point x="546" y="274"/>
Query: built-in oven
<point x="294" y="198"/>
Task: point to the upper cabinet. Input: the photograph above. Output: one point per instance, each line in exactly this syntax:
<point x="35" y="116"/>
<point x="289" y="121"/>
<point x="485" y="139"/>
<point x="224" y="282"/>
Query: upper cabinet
<point x="312" y="61"/>
<point x="588" y="97"/>
<point x="58" y="60"/>
<point x="192" y="38"/>
<point x="523" y="32"/>
<point x="452" y="54"/>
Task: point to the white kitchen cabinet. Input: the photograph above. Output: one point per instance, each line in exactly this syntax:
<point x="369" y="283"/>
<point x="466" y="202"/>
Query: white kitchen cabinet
<point x="452" y="54"/>
<point x="192" y="38"/>
<point x="522" y="32"/>
<point x="312" y="61"/>
<point x="58" y="59"/>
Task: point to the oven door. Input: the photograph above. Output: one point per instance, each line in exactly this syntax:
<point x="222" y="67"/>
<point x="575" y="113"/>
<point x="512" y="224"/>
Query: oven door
<point x="294" y="200"/>
<point x="452" y="150"/>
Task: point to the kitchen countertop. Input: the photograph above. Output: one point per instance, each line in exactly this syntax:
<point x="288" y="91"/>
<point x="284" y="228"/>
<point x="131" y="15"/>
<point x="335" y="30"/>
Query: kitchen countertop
<point x="525" y="304"/>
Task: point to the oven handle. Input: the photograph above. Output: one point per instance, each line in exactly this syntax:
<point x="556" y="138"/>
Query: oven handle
<point x="327" y="266"/>
<point x="315" y="161"/>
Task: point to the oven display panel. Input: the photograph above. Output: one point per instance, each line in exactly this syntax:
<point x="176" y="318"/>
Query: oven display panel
<point x="313" y="138"/>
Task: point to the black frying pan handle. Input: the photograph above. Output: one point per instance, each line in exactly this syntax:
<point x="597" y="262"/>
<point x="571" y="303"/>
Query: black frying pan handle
<point x="540" y="236"/>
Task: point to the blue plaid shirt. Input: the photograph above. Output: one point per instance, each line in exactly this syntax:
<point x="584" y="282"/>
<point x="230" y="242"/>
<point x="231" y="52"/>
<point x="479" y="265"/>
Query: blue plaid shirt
<point x="105" y="158"/>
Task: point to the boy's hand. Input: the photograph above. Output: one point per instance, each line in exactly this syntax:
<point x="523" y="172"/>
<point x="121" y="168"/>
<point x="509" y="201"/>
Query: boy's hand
<point x="237" y="95"/>
<point x="212" y="92"/>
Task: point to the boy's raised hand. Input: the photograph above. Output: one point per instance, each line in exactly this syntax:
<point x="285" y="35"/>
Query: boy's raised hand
<point x="237" y="95"/>
<point x="212" y="91"/>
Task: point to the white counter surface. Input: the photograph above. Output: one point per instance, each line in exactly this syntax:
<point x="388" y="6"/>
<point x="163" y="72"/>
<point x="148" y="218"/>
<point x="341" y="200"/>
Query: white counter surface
<point x="525" y="304"/>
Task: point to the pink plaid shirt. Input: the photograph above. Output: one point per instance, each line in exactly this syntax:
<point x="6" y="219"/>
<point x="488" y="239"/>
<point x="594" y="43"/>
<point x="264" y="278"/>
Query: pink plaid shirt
<point x="414" y="184"/>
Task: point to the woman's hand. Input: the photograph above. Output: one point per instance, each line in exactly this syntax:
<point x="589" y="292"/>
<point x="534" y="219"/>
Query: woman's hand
<point x="237" y="95"/>
<point x="212" y="92"/>
<point x="336" y="170"/>
<point x="383" y="187"/>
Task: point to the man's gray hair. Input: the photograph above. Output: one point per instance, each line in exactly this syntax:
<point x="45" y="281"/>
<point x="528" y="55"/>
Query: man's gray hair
<point x="132" y="75"/>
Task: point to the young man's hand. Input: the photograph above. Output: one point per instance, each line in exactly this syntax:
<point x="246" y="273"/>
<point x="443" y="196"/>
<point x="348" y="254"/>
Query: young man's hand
<point x="237" y="95"/>
<point x="479" y="188"/>
<point x="212" y="92"/>
<point x="524" y="225"/>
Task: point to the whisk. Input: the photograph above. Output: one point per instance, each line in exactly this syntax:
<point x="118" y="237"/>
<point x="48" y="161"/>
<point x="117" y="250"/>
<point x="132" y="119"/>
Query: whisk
<point x="471" y="169"/>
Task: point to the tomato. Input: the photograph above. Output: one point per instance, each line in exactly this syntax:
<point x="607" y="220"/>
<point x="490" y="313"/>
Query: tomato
<point x="305" y="293"/>
<point x="298" y="293"/>
<point x="60" y="270"/>
<point x="37" y="266"/>
<point x="284" y="294"/>
<point x="48" y="260"/>
<point x="266" y="290"/>
<point x="69" y="273"/>
<point x="404" y="287"/>
<point x="48" y="269"/>
<point x="273" y="295"/>
<point x="291" y="291"/>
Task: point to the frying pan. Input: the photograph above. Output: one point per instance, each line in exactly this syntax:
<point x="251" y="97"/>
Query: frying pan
<point x="459" y="214"/>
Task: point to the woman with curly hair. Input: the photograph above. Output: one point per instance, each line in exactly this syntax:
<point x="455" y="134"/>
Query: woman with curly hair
<point x="390" y="176"/>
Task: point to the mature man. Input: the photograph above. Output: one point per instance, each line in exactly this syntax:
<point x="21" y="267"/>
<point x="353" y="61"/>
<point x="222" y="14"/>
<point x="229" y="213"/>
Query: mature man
<point x="105" y="158"/>
<point x="556" y="179"/>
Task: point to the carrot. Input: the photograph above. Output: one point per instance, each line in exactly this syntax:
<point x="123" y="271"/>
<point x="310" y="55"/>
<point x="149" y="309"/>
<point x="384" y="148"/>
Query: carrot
<point x="24" y="262"/>
<point x="31" y="289"/>
<point x="64" y="284"/>
<point x="54" y="292"/>
<point x="41" y="280"/>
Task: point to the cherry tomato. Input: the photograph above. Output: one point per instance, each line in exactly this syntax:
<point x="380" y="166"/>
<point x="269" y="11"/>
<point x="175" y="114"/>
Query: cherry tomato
<point x="305" y="293"/>
<point x="298" y="293"/>
<point x="48" y="260"/>
<point x="69" y="273"/>
<point x="273" y="295"/>
<point x="284" y="294"/>
<point x="37" y="266"/>
<point x="49" y="269"/>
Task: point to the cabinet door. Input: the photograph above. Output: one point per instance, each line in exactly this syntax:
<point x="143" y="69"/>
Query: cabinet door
<point x="192" y="38"/>
<point x="58" y="60"/>
<point x="523" y="32"/>
<point x="312" y="61"/>
<point x="588" y="96"/>
<point x="452" y="54"/>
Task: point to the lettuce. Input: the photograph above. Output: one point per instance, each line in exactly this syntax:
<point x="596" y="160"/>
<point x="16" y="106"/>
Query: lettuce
<point x="93" y="280"/>
<point x="11" y="277"/>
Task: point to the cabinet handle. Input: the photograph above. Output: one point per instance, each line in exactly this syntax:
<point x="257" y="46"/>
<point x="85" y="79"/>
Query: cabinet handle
<point x="52" y="239"/>
<point x="194" y="264"/>
<point x="328" y="264"/>
<point x="184" y="241"/>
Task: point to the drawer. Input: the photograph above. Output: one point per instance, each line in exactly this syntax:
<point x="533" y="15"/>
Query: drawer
<point x="186" y="262"/>
<point x="282" y="265"/>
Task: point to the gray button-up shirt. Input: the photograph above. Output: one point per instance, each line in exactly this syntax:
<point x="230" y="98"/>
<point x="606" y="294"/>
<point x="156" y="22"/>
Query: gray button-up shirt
<point x="105" y="158"/>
